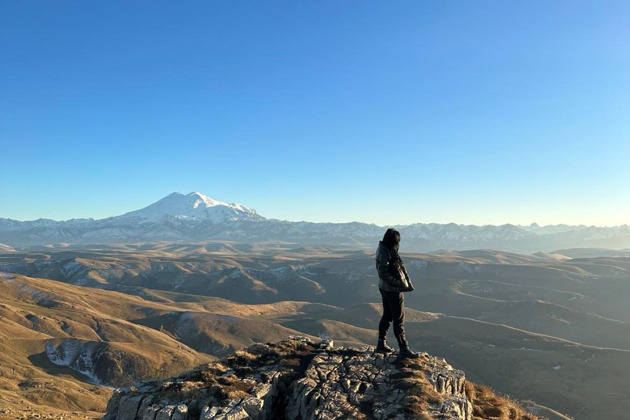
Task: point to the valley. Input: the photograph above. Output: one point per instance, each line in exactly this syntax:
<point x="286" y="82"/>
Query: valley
<point x="543" y="328"/>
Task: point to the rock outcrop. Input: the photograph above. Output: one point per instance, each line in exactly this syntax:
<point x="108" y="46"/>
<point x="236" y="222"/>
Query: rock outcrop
<point x="299" y="379"/>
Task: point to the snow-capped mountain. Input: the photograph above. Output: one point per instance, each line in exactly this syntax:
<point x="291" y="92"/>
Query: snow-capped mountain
<point x="190" y="206"/>
<point x="197" y="217"/>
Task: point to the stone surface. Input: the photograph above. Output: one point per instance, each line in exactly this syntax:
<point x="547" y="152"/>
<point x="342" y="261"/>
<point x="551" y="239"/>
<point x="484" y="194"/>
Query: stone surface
<point x="296" y="378"/>
<point x="180" y="413"/>
<point x="128" y="407"/>
<point x="165" y="413"/>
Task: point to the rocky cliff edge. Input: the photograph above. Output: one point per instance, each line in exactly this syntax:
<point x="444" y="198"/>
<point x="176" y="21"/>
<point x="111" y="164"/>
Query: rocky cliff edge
<point x="299" y="379"/>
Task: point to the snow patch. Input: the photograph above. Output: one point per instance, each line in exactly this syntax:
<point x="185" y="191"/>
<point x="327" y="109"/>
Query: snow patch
<point x="76" y="355"/>
<point x="7" y="276"/>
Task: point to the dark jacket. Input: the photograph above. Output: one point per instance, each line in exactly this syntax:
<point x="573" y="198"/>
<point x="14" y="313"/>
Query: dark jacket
<point x="390" y="269"/>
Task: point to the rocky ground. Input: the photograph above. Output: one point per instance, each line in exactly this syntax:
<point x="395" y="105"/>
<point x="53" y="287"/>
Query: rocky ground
<point x="300" y="379"/>
<point x="31" y="413"/>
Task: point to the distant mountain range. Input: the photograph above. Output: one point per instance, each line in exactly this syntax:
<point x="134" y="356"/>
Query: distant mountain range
<point x="197" y="217"/>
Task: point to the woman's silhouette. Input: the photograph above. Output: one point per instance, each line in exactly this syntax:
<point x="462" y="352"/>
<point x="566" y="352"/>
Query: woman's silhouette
<point x="393" y="281"/>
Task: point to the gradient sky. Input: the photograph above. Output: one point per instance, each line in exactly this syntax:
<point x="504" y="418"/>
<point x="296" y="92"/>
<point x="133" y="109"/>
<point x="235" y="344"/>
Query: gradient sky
<point x="480" y="112"/>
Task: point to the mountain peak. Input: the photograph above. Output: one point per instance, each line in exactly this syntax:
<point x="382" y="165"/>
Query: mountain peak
<point x="208" y="201"/>
<point x="194" y="205"/>
<point x="297" y="378"/>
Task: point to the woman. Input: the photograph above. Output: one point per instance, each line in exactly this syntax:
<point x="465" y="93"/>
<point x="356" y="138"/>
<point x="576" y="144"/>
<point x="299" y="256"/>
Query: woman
<point x="393" y="281"/>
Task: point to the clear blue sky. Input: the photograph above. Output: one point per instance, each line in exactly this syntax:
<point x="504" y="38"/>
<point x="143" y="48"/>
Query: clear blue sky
<point x="482" y="112"/>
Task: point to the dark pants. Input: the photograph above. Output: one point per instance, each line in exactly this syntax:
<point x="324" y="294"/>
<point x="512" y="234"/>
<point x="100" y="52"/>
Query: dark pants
<point x="393" y="311"/>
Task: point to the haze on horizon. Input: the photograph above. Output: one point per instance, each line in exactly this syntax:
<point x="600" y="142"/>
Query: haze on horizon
<point x="386" y="113"/>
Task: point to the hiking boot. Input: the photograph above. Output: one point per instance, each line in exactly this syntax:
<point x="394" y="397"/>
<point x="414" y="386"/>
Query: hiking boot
<point x="406" y="353"/>
<point x="382" y="347"/>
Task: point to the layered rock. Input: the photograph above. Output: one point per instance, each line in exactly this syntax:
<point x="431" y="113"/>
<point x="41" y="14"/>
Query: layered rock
<point x="299" y="379"/>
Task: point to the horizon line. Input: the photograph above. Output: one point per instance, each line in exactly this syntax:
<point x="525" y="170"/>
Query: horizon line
<point x="394" y="225"/>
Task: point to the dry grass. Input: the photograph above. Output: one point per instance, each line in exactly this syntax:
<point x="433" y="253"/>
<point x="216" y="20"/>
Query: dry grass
<point x="488" y="405"/>
<point x="419" y="393"/>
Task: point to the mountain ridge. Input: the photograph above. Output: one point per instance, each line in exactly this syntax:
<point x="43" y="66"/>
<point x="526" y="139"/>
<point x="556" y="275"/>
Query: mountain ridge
<point x="197" y="217"/>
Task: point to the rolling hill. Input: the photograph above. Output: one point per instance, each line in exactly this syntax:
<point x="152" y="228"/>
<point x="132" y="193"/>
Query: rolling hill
<point x="550" y="330"/>
<point x="64" y="346"/>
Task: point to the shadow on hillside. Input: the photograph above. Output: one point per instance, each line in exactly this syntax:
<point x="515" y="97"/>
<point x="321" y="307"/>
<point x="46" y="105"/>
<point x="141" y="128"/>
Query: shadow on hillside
<point x="42" y="361"/>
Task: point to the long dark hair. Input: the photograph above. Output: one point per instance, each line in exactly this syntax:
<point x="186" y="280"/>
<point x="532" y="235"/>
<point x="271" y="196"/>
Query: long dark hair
<point x="391" y="239"/>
